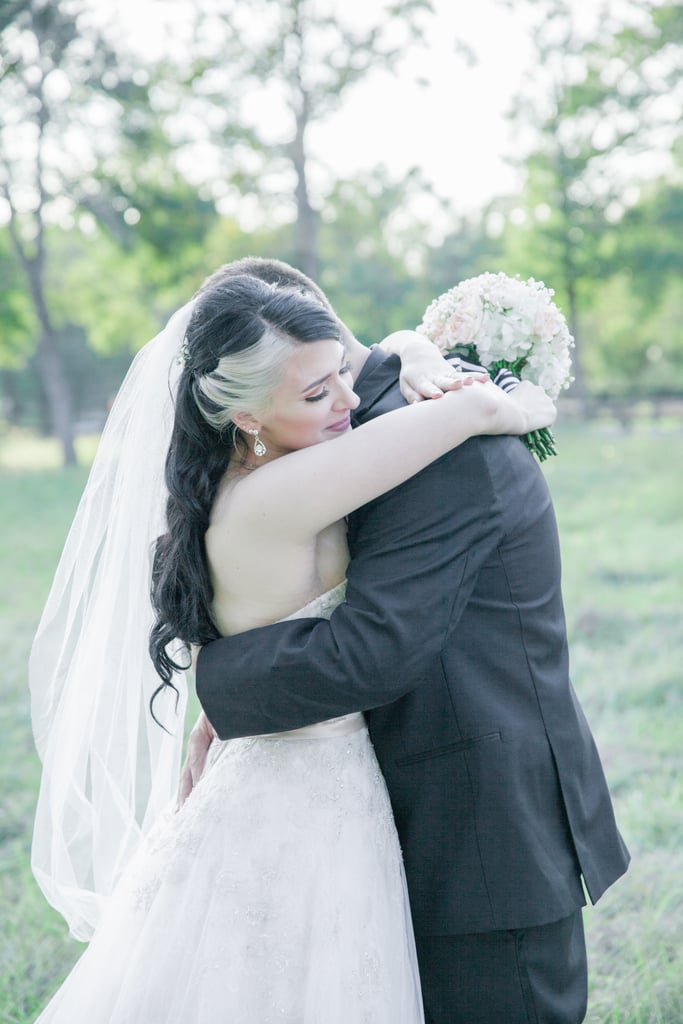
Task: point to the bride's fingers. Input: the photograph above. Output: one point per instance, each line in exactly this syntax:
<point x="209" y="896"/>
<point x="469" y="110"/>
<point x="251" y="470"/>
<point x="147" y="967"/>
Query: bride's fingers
<point x="454" y="381"/>
<point x="476" y="378"/>
<point x="409" y="392"/>
<point x="451" y="382"/>
<point x="436" y="384"/>
<point x="429" y="388"/>
<point x="197" y="762"/>
<point x="184" y="787"/>
<point x="425" y="388"/>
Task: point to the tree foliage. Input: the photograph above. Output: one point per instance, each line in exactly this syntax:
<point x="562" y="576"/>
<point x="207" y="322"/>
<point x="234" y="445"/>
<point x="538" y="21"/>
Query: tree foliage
<point x="298" y="58"/>
<point x="126" y="178"/>
<point x="597" y="108"/>
<point x="52" y="72"/>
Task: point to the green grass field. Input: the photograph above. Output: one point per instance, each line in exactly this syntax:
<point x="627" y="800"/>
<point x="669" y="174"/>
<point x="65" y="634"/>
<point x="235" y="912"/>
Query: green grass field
<point x="618" y="500"/>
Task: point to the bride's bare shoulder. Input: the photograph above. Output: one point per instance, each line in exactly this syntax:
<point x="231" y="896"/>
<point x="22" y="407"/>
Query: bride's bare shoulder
<point x="250" y="539"/>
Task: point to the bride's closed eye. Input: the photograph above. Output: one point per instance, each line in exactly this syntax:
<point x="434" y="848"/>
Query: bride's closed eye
<point x="317" y="398"/>
<point x="346" y="368"/>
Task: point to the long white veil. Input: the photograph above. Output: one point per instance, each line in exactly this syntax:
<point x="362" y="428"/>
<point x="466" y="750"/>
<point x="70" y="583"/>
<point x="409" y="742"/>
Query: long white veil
<point x="108" y="768"/>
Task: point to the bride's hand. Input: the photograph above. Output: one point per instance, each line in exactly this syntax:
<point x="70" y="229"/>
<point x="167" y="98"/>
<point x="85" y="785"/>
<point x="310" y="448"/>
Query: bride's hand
<point x="199" y="741"/>
<point x="428" y="375"/>
<point x="425" y="373"/>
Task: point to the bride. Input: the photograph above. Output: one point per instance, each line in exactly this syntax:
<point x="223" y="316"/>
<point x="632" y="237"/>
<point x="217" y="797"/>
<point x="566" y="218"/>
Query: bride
<point x="276" y="892"/>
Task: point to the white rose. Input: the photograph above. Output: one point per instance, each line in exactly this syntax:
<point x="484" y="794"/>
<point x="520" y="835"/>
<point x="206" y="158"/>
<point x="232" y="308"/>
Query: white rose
<point x="464" y="323"/>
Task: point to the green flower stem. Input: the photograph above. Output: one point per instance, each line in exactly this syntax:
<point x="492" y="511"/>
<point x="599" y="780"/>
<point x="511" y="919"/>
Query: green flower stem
<point x="515" y="367"/>
<point x="540" y="443"/>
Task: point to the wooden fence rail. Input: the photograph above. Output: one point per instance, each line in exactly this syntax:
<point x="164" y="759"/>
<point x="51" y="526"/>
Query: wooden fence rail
<point x="624" y="410"/>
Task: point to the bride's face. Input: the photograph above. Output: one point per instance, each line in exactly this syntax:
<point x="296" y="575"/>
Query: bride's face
<point x="313" y="402"/>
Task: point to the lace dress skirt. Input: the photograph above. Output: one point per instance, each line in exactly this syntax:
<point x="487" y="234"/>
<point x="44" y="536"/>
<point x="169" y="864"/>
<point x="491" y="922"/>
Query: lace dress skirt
<point x="276" y="894"/>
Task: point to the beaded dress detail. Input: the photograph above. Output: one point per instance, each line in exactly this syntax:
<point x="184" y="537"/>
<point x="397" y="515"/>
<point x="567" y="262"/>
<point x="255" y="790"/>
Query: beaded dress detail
<point x="276" y="894"/>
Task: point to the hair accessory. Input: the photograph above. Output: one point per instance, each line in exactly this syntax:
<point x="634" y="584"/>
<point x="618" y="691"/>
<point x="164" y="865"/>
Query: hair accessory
<point x="259" y="447"/>
<point x="183" y="354"/>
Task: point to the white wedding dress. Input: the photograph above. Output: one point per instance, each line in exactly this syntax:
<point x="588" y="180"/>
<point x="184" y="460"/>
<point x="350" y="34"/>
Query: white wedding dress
<point x="276" y="894"/>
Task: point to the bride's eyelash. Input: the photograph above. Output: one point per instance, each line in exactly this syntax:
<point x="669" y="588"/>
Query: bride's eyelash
<point x="346" y="368"/>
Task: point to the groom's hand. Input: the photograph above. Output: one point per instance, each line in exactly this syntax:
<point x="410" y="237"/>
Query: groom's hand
<point x="199" y="741"/>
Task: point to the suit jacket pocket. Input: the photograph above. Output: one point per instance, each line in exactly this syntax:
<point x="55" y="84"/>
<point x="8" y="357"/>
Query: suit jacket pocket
<point x="450" y="748"/>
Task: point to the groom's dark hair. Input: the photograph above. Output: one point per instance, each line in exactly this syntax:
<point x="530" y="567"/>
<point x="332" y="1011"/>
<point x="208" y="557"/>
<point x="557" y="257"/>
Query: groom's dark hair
<point x="272" y="271"/>
<point x="277" y="273"/>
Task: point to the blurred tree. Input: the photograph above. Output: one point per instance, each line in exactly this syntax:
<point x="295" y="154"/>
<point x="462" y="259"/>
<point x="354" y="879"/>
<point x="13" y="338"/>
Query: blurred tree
<point x="17" y="330"/>
<point x="470" y="247"/>
<point x="299" y="58"/>
<point x="123" y="293"/>
<point x="636" y="317"/>
<point x="82" y="148"/>
<point x="367" y="239"/>
<point x="553" y="228"/>
<point x="136" y="191"/>
<point x="635" y="76"/>
<point x="389" y="246"/>
<point x="17" y="321"/>
<point x="648" y="239"/>
<point x="638" y="345"/>
<point x="602" y="113"/>
<point x="53" y="66"/>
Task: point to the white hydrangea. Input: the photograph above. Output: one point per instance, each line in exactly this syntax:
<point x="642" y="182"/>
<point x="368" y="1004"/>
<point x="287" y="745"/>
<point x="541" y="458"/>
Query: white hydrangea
<point x="506" y="320"/>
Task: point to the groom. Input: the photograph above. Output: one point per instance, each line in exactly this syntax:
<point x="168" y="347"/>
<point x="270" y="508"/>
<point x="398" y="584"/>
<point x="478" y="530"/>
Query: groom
<point x="452" y="639"/>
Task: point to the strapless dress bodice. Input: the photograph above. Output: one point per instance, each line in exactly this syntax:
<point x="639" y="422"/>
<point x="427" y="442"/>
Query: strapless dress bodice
<point x="321" y="607"/>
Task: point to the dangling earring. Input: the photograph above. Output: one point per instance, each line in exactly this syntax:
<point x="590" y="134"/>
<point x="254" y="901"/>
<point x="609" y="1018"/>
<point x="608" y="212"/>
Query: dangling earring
<point x="259" y="447"/>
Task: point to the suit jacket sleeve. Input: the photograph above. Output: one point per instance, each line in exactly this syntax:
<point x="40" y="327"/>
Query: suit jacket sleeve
<point x="416" y="552"/>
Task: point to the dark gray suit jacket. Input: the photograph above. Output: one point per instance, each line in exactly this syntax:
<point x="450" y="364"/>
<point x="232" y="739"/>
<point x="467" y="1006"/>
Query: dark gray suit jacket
<point x="453" y="640"/>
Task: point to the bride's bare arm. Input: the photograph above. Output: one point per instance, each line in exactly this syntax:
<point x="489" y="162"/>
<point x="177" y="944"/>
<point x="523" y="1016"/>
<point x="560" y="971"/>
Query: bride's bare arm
<point x="296" y="496"/>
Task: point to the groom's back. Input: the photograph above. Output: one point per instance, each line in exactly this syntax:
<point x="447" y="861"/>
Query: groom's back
<point x="496" y="783"/>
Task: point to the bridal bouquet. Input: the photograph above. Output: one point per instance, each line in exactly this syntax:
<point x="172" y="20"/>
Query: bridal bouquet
<point x="504" y="322"/>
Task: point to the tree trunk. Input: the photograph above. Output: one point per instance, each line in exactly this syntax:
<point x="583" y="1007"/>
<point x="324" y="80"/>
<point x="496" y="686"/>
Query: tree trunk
<point x="579" y="384"/>
<point x="52" y="370"/>
<point x="11" y="401"/>
<point x="56" y="388"/>
<point x="306" y="256"/>
<point x="50" y="365"/>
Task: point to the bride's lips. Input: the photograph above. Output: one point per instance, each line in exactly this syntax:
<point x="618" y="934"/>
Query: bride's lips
<point x="340" y="425"/>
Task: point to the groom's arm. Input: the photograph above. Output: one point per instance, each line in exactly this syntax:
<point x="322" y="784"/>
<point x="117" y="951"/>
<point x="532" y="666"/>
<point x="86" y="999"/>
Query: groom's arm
<point x="416" y="554"/>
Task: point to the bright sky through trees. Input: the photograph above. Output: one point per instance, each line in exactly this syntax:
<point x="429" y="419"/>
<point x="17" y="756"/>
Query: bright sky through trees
<point x="451" y="125"/>
<point x="441" y="113"/>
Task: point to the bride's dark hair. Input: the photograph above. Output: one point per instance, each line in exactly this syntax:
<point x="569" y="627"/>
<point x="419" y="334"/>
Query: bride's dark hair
<point x="239" y="337"/>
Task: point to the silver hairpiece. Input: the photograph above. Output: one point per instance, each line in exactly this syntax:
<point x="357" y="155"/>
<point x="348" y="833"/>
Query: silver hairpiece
<point x="183" y="357"/>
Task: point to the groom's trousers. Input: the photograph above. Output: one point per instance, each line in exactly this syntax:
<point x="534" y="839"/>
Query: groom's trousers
<point x="524" y="976"/>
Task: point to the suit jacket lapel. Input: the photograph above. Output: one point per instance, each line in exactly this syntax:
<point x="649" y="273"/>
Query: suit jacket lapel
<point x="379" y="374"/>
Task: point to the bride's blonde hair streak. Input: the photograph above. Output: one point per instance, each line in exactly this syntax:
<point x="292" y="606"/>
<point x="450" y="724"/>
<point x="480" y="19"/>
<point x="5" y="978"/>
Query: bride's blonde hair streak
<point x="244" y="381"/>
